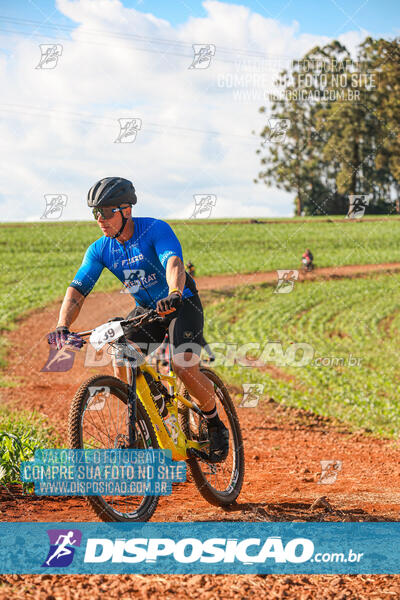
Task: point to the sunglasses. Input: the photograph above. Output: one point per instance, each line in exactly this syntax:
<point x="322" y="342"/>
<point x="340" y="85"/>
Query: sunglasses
<point x="107" y="212"/>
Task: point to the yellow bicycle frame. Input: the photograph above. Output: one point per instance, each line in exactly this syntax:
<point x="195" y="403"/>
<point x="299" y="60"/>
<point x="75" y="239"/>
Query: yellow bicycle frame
<point x="180" y="448"/>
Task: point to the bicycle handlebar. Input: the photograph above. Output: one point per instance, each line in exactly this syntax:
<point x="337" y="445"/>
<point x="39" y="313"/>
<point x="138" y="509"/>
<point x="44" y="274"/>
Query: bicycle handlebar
<point x="148" y="317"/>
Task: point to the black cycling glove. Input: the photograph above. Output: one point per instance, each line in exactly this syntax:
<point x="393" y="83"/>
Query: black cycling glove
<point x="169" y="304"/>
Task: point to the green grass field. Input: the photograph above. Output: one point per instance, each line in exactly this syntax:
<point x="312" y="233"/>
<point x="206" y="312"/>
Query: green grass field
<point x="40" y="259"/>
<point x="337" y="318"/>
<point x="344" y="321"/>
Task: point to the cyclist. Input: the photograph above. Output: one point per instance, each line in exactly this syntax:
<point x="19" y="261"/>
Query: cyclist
<point x="191" y="269"/>
<point x="145" y="254"/>
<point x="307" y="259"/>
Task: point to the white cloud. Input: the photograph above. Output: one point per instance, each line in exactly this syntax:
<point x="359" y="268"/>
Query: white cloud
<point x="196" y="129"/>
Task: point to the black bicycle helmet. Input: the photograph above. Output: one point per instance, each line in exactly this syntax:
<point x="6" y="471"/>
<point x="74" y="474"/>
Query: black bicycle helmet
<point x="111" y="191"/>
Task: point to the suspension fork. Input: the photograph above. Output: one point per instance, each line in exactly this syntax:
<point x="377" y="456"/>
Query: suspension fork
<point x="170" y="370"/>
<point x="132" y="405"/>
<point x="132" y="359"/>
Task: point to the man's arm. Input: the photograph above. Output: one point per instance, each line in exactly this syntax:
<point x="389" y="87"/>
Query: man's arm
<point x="169" y="252"/>
<point x="70" y="308"/>
<point x="84" y="281"/>
<point x="82" y="284"/>
<point x="175" y="274"/>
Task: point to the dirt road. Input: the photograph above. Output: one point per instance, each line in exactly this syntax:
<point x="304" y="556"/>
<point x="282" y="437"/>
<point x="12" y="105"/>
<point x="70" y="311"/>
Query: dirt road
<point x="229" y="281"/>
<point x="283" y="449"/>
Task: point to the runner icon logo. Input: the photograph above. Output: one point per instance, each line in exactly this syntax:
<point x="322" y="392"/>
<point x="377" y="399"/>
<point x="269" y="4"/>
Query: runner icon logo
<point x="59" y="361"/>
<point x="277" y="131"/>
<point x="286" y="280"/>
<point x="357" y="206"/>
<point x="329" y="471"/>
<point x="62" y="547"/>
<point x="55" y="204"/>
<point x="98" y="397"/>
<point x="251" y="394"/>
<point x="203" y="54"/>
<point x="50" y="53"/>
<point x="203" y="205"/>
<point x="128" y="129"/>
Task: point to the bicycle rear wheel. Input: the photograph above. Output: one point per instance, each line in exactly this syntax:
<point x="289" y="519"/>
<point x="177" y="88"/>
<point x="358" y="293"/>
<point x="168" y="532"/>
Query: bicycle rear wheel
<point x="219" y="483"/>
<point x="98" y="419"/>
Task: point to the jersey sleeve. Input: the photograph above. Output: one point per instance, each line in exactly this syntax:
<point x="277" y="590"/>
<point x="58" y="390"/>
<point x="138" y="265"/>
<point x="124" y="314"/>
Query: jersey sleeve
<point x="89" y="271"/>
<point x="165" y="242"/>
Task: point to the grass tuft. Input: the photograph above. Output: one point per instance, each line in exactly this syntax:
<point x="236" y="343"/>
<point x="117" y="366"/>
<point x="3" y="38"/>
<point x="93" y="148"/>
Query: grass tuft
<point x="21" y="433"/>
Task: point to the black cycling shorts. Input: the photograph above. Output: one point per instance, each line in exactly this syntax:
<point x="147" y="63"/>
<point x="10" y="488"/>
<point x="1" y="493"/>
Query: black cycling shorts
<point x="185" y="330"/>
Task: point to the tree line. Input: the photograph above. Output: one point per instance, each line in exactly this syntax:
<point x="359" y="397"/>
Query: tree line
<point x="332" y="129"/>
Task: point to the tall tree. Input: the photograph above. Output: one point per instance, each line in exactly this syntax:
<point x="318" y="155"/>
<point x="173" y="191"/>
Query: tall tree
<point x="384" y="58"/>
<point x="290" y="157"/>
<point x="342" y="140"/>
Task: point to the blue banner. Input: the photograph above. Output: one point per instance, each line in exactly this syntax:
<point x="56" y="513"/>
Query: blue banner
<point x="281" y="548"/>
<point x="104" y="472"/>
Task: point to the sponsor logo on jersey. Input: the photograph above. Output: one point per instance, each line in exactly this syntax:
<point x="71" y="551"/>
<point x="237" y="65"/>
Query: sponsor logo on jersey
<point x="132" y="260"/>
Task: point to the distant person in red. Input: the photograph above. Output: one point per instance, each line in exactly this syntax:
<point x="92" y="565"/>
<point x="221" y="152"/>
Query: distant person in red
<point x="191" y="269"/>
<point x="307" y="260"/>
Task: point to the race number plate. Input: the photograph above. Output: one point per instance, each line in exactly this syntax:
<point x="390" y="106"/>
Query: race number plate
<point x="103" y="334"/>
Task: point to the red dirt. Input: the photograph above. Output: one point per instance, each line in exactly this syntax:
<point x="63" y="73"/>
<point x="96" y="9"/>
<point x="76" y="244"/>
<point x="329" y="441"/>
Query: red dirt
<point x="283" y="449"/>
<point x="228" y="281"/>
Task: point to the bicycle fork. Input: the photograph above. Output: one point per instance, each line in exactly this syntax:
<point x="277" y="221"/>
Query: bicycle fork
<point x="132" y="407"/>
<point x="125" y="353"/>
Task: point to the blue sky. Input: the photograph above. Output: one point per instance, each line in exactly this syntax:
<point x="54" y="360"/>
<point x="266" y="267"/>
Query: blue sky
<point x="326" y="17"/>
<point x="199" y="128"/>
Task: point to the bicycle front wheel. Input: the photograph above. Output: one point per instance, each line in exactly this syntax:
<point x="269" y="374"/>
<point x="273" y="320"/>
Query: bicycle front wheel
<point x="219" y="483"/>
<point x="98" y="419"/>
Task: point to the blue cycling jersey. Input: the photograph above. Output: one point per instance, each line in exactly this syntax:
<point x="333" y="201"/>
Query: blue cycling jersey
<point x="140" y="263"/>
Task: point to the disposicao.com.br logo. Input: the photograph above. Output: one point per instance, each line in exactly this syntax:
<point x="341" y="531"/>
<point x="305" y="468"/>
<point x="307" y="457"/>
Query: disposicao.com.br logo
<point x="213" y="550"/>
<point x="62" y="547"/>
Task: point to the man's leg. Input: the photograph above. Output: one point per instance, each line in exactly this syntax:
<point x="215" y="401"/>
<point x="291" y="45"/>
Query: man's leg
<point x="186" y="335"/>
<point x="197" y="384"/>
<point x="201" y="390"/>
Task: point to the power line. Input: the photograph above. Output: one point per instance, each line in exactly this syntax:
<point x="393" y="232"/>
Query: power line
<point x="111" y="122"/>
<point x="238" y="62"/>
<point x="93" y="43"/>
<point x="136" y="37"/>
